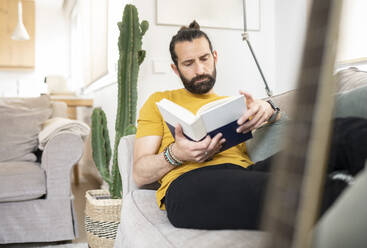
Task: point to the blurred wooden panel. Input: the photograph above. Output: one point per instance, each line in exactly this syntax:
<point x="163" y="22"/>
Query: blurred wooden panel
<point x="19" y="55"/>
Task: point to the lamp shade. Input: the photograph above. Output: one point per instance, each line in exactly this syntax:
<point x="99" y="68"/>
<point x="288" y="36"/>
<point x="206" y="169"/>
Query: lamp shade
<point x="20" y="33"/>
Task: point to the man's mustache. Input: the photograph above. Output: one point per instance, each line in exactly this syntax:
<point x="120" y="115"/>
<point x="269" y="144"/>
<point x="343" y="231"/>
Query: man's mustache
<point x="201" y="77"/>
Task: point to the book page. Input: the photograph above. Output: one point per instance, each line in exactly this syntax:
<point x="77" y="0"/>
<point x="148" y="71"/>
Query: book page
<point x="212" y="105"/>
<point x="174" y="114"/>
<point x="176" y="110"/>
<point x="224" y="113"/>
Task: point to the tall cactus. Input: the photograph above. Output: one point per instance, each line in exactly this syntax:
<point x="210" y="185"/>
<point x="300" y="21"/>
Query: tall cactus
<point x="131" y="57"/>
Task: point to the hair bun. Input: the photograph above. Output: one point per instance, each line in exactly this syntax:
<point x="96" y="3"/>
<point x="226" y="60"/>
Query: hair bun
<point x="194" y="25"/>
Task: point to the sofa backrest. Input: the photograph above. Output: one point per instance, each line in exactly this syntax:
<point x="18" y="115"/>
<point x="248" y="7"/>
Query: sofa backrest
<point x="20" y="123"/>
<point x="345" y="80"/>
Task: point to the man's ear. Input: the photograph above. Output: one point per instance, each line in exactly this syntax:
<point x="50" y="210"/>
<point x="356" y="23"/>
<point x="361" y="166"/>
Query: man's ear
<point x="215" y="56"/>
<point x="175" y="70"/>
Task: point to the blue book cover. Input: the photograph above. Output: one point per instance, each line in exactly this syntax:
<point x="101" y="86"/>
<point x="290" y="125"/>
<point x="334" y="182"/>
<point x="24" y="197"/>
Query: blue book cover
<point x="229" y="133"/>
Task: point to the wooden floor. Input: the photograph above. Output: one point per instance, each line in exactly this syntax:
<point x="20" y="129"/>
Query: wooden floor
<point x="79" y="203"/>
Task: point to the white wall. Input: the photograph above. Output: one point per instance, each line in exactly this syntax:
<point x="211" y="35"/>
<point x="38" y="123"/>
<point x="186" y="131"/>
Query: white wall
<point x="236" y="68"/>
<point x="290" y="25"/>
<point x="50" y="52"/>
<point x="353" y="40"/>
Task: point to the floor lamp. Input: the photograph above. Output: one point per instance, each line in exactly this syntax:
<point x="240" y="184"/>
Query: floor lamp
<point x="245" y="37"/>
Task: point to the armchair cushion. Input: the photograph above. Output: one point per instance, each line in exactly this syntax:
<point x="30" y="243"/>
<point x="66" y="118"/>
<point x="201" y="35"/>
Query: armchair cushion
<point x="20" y="123"/>
<point x="21" y="181"/>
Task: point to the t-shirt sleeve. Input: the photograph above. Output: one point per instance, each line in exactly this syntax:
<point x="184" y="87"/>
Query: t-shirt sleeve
<point x="150" y="121"/>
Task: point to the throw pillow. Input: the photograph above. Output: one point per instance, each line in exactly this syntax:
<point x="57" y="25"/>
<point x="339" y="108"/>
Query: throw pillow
<point x="267" y="139"/>
<point x="20" y="122"/>
<point x="349" y="79"/>
<point x="351" y="103"/>
<point x="30" y="102"/>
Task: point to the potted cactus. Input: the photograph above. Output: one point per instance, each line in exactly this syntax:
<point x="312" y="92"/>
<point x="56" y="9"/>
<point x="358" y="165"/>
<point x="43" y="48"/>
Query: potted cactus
<point x="102" y="201"/>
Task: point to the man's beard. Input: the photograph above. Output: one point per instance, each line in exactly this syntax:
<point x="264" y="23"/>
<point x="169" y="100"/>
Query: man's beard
<point x="196" y="87"/>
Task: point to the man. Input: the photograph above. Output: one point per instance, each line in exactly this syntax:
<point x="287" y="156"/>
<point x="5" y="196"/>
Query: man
<point x="200" y="188"/>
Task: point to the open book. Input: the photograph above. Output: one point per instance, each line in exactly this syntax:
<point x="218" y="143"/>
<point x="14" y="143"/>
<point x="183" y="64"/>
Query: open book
<point x="215" y="117"/>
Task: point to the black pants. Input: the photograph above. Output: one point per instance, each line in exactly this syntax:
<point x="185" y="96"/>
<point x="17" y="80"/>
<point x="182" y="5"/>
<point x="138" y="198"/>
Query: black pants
<point x="228" y="196"/>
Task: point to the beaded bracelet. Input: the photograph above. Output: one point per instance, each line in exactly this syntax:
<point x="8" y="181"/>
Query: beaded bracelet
<point x="172" y="155"/>
<point x="169" y="159"/>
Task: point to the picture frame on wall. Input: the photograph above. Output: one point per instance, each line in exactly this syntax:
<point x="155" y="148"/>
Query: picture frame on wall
<point x="209" y="13"/>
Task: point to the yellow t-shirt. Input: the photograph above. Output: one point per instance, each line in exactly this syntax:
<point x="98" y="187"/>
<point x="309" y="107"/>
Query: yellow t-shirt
<point x="151" y="123"/>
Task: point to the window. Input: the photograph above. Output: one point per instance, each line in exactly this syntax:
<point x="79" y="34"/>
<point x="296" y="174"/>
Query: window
<point x="88" y="42"/>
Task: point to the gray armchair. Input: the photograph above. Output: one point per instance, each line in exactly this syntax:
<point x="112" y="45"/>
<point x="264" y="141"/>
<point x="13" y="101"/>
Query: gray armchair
<point x="36" y="202"/>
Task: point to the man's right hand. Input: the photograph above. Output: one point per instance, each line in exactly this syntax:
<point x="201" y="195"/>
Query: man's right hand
<point x="150" y="166"/>
<point x="187" y="150"/>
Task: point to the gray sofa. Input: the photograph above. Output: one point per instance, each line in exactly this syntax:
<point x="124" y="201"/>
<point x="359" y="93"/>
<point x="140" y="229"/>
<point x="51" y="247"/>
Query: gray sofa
<point x="36" y="203"/>
<point x="143" y="224"/>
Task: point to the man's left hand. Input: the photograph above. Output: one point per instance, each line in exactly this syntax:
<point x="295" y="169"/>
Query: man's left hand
<point x="258" y="112"/>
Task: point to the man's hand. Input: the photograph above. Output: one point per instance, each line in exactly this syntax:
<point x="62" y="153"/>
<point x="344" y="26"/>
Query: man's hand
<point x="187" y="150"/>
<point x="258" y="110"/>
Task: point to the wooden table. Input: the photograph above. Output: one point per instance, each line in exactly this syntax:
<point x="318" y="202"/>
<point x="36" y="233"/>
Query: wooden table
<point x="73" y="102"/>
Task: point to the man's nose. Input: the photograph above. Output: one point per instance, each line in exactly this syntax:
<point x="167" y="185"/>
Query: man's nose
<point x="199" y="68"/>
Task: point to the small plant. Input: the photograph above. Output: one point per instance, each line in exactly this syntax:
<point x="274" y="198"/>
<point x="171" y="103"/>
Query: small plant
<point x="131" y="57"/>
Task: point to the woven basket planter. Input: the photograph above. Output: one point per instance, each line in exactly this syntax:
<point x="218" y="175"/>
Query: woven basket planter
<point x="102" y="217"/>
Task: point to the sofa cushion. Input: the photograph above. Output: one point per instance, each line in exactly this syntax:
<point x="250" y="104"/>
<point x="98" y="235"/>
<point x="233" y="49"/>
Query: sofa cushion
<point x="144" y="217"/>
<point x="20" y="123"/>
<point x="350" y="78"/>
<point x="267" y="140"/>
<point x="21" y="181"/>
<point x="352" y="103"/>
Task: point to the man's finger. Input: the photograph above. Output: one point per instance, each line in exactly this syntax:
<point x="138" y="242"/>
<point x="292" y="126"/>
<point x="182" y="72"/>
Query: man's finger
<point x="179" y="131"/>
<point x="247" y="126"/>
<point x="250" y="112"/>
<point x="215" y="141"/>
<point x="249" y="98"/>
<point x="203" y="145"/>
<point x="254" y="123"/>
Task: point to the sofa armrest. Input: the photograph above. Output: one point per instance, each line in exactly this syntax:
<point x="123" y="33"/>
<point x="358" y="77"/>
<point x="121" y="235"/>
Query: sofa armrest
<point x="125" y="161"/>
<point x="61" y="153"/>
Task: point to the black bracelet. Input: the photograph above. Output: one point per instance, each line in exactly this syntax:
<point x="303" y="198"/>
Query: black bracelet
<point x="276" y="111"/>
